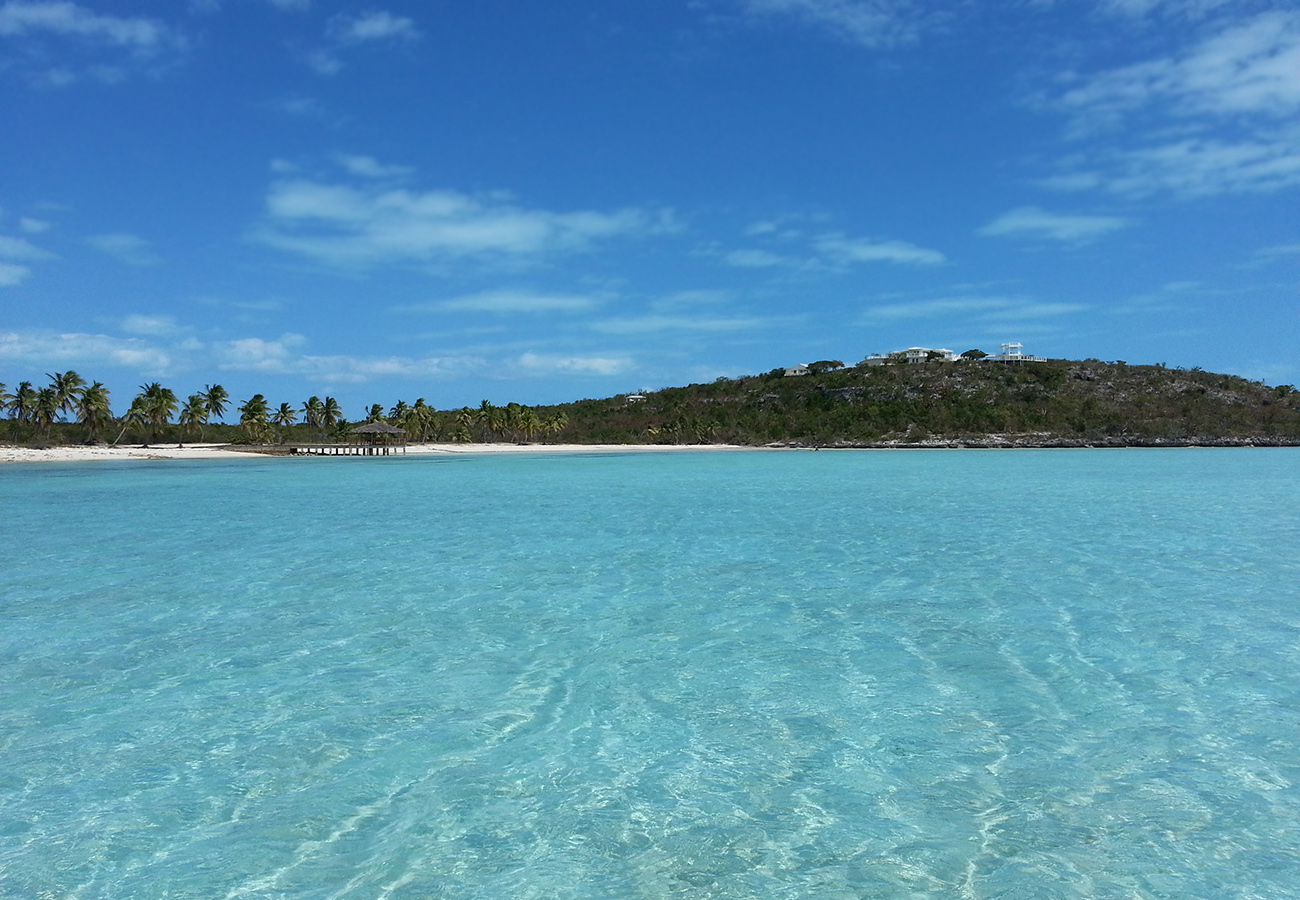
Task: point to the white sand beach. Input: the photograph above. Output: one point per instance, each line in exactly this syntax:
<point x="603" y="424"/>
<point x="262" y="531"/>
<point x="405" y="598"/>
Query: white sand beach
<point x="67" y="454"/>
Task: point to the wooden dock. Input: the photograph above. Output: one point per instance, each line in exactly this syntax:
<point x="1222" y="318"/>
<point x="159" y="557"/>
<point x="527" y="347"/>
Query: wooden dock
<point x="350" y="449"/>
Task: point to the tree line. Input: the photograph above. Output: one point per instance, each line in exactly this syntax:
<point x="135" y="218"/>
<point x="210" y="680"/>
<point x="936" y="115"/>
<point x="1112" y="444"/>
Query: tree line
<point x="156" y="413"/>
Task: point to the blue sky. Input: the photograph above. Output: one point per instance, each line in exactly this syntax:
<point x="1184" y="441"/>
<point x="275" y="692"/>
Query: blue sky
<point x="541" y="202"/>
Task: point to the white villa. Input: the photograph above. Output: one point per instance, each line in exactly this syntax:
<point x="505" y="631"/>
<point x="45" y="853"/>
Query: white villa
<point x="910" y="355"/>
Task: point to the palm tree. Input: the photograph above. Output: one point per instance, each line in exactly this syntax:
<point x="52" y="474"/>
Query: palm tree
<point x="252" y="417"/>
<point x="487" y="416"/>
<point x="194" y="414"/>
<point x="138" y="414"/>
<point x="513" y="421"/>
<point x="283" y="417"/>
<point x="330" y="414"/>
<point x="399" y="411"/>
<point x="422" y="420"/>
<point x="376" y="413"/>
<point x="44" y="411"/>
<point x="160" y="405"/>
<point x="5" y="397"/>
<point x="464" y="419"/>
<point x="214" y="400"/>
<point x="20" y="405"/>
<point x="530" y="423"/>
<point x="67" y="388"/>
<point x="92" y="409"/>
<point x="556" y="423"/>
<point x="312" y="411"/>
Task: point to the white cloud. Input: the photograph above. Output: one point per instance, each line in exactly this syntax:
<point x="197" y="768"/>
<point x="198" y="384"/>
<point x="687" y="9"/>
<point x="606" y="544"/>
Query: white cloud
<point x="690" y="299"/>
<point x="839" y="249"/>
<point x="1248" y="69"/>
<point x="85" y="36"/>
<point x="968" y="308"/>
<point x="540" y="364"/>
<point x="1031" y="221"/>
<point x="931" y="308"/>
<point x="15" y="254"/>
<point x="12" y="274"/>
<point x="757" y="259"/>
<point x="129" y="248"/>
<point x="260" y="355"/>
<point x="367" y="225"/>
<point x="1218" y="118"/>
<point x="1279" y="251"/>
<point x="34" y="226"/>
<point x="156" y="326"/>
<point x="376" y="25"/>
<point x="509" y="302"/>
<point x="369" y="167"/>
<point x="1203" y="166"/>
<point x="28" y="17"/>
<point x="875" y="24"/>
<point x="286" y="355"/>
<point x="657" y="323"/>
<point x="21" y="250"/>
<point x="50" y="348"/>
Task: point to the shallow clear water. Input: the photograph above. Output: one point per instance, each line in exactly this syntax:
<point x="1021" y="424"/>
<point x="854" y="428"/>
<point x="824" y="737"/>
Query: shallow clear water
<point x="1001" y="674"/>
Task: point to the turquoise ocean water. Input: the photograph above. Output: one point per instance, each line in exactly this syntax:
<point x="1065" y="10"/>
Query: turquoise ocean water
<point x="965" y="674"/>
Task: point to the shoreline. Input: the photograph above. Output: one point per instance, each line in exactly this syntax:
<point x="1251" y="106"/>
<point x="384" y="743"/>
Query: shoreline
<point x="103" y="453"/>
<point x="73" y="454"/>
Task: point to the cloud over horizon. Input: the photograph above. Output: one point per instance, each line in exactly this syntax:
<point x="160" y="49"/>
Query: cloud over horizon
<point x="365" y="225"/>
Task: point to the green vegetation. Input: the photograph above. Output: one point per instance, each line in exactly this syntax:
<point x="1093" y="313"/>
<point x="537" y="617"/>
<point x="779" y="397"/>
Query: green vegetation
<point x="970" y="401"/>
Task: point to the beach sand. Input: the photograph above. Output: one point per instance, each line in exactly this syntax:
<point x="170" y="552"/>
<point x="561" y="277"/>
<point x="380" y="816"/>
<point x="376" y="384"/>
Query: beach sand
<point x="220" y="451"/>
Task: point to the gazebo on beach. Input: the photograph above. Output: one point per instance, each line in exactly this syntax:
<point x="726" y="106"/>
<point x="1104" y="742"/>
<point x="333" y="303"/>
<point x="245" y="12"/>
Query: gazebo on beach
<point x="370" y="439"/>
<point x="379" y="438"/>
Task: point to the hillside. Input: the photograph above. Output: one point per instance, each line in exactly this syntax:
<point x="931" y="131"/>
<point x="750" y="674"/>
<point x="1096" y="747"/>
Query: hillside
<point x="1049" y="403"/>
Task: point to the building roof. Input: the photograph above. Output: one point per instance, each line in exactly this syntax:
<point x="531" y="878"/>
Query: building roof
<point x="378" y="428"/>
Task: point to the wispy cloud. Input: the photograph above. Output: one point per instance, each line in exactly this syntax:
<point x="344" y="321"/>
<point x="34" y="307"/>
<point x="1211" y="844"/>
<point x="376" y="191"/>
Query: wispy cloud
<point x="660" y="323"/>
<point x="1278" y="251"/>
<point x="156" y="326"/>
<point x="21" y="250"/>
<point x="1030" y="221"/>
<point x="137" y="41"/>
<point x="1181" y="9"/>
<point x="757" y="259"/>
<point x="128" y="248"/>
<point x="369" y="224"/>
<point x="369" y="167"/>
<point x="843" y="250"/>
<point x="534" y="364"/>
<point x="507" y="302"/>
<point x="287" y="355"/>
<point x="12" y="274"/>
<point x="970" y="308"/>
<point x="1217" y="118"/>
<point x="24" y="17"/>
<point x="376" y="25"/>
<point x="50" y="348"/>
<point x="876" y="24"/>
<point x="15" y="256"/>
<point x="346" y="32"/>
<point x="830" y="250"/>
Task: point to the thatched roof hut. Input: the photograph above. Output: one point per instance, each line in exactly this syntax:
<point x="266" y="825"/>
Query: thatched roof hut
<point x="378" y="428"/>
<point x="379" y="435"/>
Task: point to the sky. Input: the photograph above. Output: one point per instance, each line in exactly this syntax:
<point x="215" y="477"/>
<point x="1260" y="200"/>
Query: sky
<point x="540" y="202"/>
